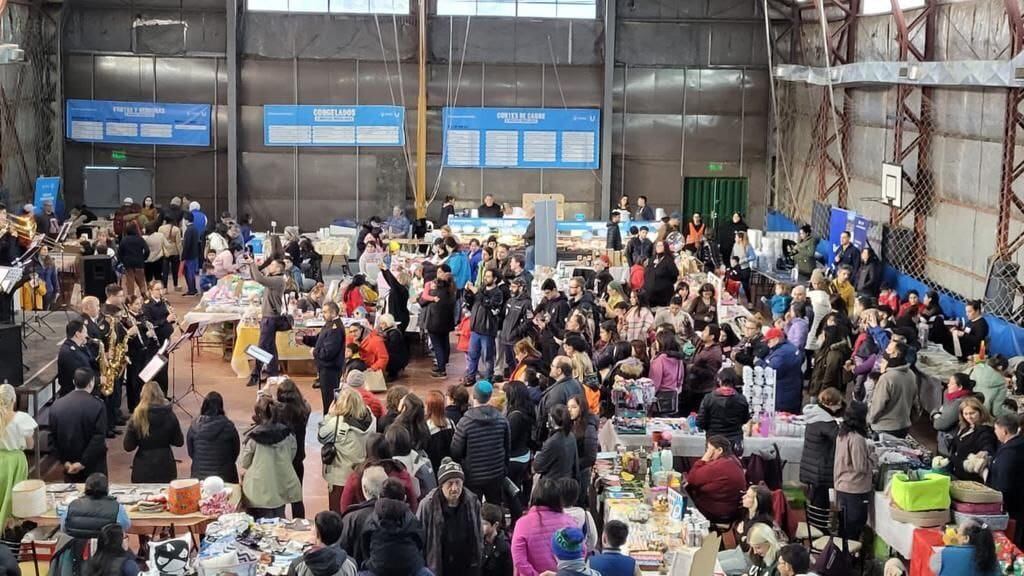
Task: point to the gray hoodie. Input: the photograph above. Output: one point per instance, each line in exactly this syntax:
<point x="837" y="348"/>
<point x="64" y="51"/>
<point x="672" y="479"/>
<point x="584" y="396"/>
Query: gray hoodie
<point x="893" y="400"/>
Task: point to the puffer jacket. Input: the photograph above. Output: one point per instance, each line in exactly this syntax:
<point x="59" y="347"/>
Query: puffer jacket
<point x="482" y="444"/>
<point x="992" y="385"/>
<point x="724" y="412"/>
<point x="270" y="479"/>
<point x="396" y="543"/>
<point x="668" y="372"/>
<point x="485" y="312"/>
<point x="828" y="367"/>
<point x="787" y="362"/>
<point x="349" y="444"/>
<point x="374" y="351"/>
<point x="398" y="351"/>
<point x="819" y="453"/>
<point x="213" y="445"/>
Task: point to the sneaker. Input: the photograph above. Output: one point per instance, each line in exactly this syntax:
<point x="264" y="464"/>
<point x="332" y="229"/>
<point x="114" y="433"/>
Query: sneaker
<point x="436" y="374"/>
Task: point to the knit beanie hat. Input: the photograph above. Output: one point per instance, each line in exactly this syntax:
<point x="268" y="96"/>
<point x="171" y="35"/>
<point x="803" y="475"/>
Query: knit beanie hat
<point x="449" y="470"/>
<point x="567" y="544"/>
<point x="355" y="378"/>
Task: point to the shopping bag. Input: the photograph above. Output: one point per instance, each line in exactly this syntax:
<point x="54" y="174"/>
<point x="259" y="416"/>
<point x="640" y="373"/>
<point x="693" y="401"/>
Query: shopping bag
<point x="375" y="381"/>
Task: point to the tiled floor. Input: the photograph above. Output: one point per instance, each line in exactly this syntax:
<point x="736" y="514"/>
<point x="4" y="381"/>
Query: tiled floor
<point x="213" y="373"/>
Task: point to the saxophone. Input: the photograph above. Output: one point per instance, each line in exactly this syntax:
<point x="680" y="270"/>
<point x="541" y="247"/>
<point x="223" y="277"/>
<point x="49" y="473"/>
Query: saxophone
<point x="112" y="363"/>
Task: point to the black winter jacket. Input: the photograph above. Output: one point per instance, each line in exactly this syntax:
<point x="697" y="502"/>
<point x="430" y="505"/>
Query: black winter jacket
<point x="398" y="351"/>
<point x="557" y="458"/>
<point x="613" y="240"/>
<point x="398" y="299"/>
<point x="587" y="445"/>
<point x="869" y="278"/>
<point x="328" y="346"/>
<point x="639" y="251"/>
<point x="154" y="460"/>
<point x="982" y="439"/>
<point x="724" y="412"/>
<point x="660" y="280"/>
<point x="214" y="446"/>
<point x="441" y="314"/>
<point x="819" y="454"/>
<point x="396" y="543"/>
<point x="558" y="312"/>
<point x="357" y="525"/>
<point x="132" y="251"/>
<point x="518" y="316"/>
<point x="482" y="445"/>
<point x="520" y="426"/>
<point x="485" y="311"/>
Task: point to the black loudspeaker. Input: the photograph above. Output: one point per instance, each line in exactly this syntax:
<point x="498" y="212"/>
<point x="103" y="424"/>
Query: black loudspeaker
<point x="11" y="369"/>
<point x="97" y="272"/>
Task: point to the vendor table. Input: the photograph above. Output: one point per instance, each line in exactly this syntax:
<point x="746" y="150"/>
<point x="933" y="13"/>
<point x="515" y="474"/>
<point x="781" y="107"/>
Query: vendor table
<point x="331" y="248"/>
<point x="142" y="522"/>
<point x="898" y="535"/>
<point x="289" y="347"/>
<point x="694" y="445"/>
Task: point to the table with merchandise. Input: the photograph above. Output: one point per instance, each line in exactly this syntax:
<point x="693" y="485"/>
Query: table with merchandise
<point x="666" y="535"/>
<point x="238" y="544"/>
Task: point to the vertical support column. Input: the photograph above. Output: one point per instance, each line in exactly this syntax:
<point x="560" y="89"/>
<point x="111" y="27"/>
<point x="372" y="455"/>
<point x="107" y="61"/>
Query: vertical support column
<point x="232" y="89"/>
<point x="607" y="114"/>
<point x="421" y="117"/>
<point x="1012" y="169"/>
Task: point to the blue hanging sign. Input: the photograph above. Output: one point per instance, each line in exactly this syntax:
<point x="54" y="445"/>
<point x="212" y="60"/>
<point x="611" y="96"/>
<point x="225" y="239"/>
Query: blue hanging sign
<point x="522" y="138"/>
<point x="333" y="125"/>
<point x="860" y="232"/>
<point x="111" y="122"/>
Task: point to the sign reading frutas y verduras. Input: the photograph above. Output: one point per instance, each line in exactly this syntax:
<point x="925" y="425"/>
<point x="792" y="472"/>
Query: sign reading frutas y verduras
<point x="112" y="122"/>
<point x="333" y="125"/>
<point x="522" y="138"/>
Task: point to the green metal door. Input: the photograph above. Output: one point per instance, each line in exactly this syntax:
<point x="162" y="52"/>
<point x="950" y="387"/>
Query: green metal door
<point x="715" y="198"/>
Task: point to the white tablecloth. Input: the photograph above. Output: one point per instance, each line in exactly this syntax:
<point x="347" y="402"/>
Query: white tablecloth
<point x="937" y="366"/>
<point x="693" y="446"/>
<point x="898" y="535"/>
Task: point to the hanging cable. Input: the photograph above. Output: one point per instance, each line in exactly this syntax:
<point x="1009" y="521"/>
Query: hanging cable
<point x="394" y="101"/>
<point x="561" y="93"/>
<point x="454" y="101"/>
<point x="775" y="105"/>
<point x="831" y="92"/>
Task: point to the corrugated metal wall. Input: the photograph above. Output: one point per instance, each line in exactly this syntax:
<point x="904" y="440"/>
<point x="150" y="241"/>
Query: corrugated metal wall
<point x="690" y="88"/>
<point x="967" y="140"/>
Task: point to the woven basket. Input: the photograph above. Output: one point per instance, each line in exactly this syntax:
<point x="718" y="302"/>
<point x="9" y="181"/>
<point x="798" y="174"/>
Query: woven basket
<point x="974" y="493"/>
<point x="925" y="519"/>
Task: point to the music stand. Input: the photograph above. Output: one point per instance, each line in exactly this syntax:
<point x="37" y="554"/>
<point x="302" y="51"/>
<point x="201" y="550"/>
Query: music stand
<point x="191" y="333"/>
<point x="261" y="356"/>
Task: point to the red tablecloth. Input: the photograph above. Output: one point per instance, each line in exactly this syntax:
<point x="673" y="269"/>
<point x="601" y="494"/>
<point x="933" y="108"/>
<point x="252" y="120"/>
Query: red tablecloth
<point x="926" y="538"/>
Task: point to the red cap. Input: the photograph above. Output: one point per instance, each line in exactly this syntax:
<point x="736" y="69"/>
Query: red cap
<point x="773" y="333"/>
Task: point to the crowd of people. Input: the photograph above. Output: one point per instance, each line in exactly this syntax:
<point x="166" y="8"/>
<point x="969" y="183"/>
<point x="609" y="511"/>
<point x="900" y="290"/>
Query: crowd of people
<point x="423" y="482"/>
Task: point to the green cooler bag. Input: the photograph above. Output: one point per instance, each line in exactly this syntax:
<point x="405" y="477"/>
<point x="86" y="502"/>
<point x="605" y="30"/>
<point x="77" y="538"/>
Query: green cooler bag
<point x="931" y="492"/>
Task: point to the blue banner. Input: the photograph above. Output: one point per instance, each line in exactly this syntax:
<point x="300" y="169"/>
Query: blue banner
<point x="47" y="188"/>
<point x="860" y="232"/>
<point x="522" y="138"/>
<point x="838" y="223"/>
<point x="111" y="122"/>
<point x="333" y="125"/>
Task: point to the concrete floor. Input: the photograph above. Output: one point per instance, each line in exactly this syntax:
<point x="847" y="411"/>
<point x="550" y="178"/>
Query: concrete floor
<point x="214" y="373"/>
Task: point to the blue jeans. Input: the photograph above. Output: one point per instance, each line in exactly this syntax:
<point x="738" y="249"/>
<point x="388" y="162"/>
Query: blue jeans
<point x="191" y="269"/>
<point x="529" y="258"/>
<point x="480" y="343"/>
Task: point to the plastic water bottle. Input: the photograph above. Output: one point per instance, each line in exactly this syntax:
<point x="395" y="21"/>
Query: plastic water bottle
<point x="691" y="421"/>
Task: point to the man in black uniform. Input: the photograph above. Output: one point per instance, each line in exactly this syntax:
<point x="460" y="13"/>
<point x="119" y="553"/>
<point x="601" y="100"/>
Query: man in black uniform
<point x="328" y="346"/>
<point x="72" y="356"/>
<point x="78" y="426"/>
<point x="96" y="325"/>
<point x="163" y="320"/>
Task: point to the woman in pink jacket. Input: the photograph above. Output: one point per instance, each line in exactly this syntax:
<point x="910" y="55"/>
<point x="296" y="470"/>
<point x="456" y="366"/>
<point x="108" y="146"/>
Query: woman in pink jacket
<point x="531" y="539"/>
<point x="667" y="372"/>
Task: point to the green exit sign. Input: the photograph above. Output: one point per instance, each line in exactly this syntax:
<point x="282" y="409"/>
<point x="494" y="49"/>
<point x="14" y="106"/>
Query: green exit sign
<point x="715" y="167"/>
<point x="119" y="155"/>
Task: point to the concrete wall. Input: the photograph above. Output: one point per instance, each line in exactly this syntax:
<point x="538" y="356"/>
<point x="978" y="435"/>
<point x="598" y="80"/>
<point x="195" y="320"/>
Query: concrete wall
<point x="690" y="88"/>
<point x="967" y="141"/>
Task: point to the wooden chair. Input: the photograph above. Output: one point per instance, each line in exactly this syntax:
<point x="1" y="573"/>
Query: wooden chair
<point x="828" y="522"/>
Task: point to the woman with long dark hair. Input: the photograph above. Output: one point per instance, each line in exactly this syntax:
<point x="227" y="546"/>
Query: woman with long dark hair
<point x="558" y="458"/>
<point x="852" y="470"/>
<point x="352" y="296"/>
<point x="660" y="278"/>
<point x="584" y="429"/>
<point x="413" y="416"/>
<point x="296" y="416"/>
<point x="111" y="558"/>
<point x="213" y="442"/>
<point x="153" y="429"/>
<point x="638" y="321"/>
<point x="519" y="410"/>
<point x="975" y="555"/>
<point x="704" y="308"/>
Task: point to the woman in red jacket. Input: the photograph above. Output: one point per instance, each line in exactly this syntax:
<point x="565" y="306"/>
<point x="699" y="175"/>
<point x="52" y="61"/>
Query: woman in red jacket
<point x="717" y="481"/>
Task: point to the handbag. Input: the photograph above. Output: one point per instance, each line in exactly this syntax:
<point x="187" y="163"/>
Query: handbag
<point x="833" y="560"/>
<point x="329" y="452"/>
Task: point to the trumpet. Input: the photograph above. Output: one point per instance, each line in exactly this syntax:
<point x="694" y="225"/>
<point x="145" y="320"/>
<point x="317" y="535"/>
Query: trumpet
<point x="23" y="227"/>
